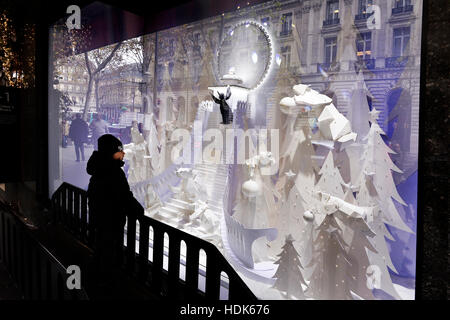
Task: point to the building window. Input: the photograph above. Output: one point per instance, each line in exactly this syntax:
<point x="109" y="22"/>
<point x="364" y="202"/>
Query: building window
<point x="402" y="6"/>
<point x="401" y="41"/>
<point x="286" y="24"/>
<point x="332" y="10"/>
<point x="286" y="56"/>
<point x="402" y="3"/>
<point x="363" y="5"/>
<point x="265" y="21"/>
<point x="364" y="45"/>
<point x="330" y="49"/>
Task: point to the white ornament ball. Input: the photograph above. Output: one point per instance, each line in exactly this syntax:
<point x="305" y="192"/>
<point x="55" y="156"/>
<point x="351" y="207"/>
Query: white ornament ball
<point x="308" y="215"/>
<point x="251" y="188"/>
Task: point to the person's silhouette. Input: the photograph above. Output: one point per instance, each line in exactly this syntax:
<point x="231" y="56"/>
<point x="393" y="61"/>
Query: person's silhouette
<point x="109" y="199"/>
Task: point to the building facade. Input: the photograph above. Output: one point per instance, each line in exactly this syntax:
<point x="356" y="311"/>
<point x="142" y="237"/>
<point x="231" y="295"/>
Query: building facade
<point x="324" y="43"/>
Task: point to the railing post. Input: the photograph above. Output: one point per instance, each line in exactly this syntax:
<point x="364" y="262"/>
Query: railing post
<point x="143" y="249"/>
<point x="84" y="220"/>
<point x="91" y="227"/>
<point x="63" y="211"/>
<point x="131" y="244"/>
<point x="212" y="287"/>
<point x="55" y="206"/>
<point x="158" y="252"/>
<point x="174" y="265"/>
<point x="192" y="255"/>
<point x="70" y="214"/>
<point x="76" y="213"/>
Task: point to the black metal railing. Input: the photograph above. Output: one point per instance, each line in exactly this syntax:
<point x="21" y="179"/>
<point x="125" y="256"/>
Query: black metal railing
<point x="362" y="16"/>
<point x="70" y="207"/>
<point x="366" y="63"/>
<point x="396" y="62"/>
<point x="328" y="67"/>
<point x="285" y="32"/>
<point x="331" y="22"/>
<point x="404" y="9"/>
<point x="38" y="274"/>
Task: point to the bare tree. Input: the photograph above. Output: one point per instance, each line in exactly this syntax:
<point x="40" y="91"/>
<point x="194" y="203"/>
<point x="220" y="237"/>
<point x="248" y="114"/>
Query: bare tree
<point x="94" y="65"/>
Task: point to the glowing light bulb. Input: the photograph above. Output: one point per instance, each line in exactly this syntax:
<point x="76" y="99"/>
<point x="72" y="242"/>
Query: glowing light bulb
<point x="254" y="57"/>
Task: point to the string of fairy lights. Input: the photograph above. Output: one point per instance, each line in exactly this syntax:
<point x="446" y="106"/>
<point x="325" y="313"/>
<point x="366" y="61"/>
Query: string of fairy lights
<point x="17" y="58"/>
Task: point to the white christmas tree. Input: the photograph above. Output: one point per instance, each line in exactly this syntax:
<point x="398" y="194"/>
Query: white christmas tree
<point x="330" y="278"/>
<point x="331" y="182"/>
<point x="377" y="167"/>
<point x="288" y="276"/>
<point x="358" y="254"/>
<point x="330" y="178"/>
<point x="367" y="197"/>
<point x="291" y="221"/>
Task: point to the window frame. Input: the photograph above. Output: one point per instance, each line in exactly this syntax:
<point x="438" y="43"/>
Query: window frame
<point x="333" y="53"/>
<point x="364" y="39"/>
<point x="330" y="14"/>
<point x="403" y="50"/>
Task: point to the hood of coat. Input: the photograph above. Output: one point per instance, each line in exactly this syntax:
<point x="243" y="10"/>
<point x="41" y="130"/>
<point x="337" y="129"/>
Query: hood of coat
<point x="98" y="163"/>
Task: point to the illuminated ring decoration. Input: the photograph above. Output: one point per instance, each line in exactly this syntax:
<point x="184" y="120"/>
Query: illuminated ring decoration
<point x="269" y="43"/>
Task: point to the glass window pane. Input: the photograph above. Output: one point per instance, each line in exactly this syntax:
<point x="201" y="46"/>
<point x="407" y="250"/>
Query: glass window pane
<point x="179" y="70"/>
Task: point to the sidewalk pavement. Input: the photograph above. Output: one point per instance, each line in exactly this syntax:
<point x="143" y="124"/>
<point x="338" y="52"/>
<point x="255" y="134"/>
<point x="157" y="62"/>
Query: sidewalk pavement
<point x="74" y="172"/>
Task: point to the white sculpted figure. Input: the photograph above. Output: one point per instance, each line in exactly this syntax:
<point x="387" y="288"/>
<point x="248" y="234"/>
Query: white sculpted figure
<point x="152" y="201"/>
<point x="137" y="154"/>
<point x="184" y="191"/>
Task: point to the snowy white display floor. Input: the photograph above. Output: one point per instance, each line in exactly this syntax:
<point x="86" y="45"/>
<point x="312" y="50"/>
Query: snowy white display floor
<point x="263" y="291"/>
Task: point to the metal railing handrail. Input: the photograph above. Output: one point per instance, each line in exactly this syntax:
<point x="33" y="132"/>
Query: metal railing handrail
<point x="70" y="208"/>
<point x="37" y="272"/>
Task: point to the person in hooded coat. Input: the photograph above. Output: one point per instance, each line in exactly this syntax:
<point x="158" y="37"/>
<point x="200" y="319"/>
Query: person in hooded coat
<point x="109" y="198"/>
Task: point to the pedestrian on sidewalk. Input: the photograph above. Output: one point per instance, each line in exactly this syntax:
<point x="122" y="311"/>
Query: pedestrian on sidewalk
<point x="99" y="127"/>
<point x="78" y="132"/>
<point x="65" y="132"/>
<point x="110" y="198"/>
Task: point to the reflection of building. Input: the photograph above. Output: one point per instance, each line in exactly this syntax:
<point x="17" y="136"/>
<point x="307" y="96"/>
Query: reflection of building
<point x="120" y="89"/>
<point x="322" y="43"/>
<point x="73" y="83"/>
<point x="117" y="89"/>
